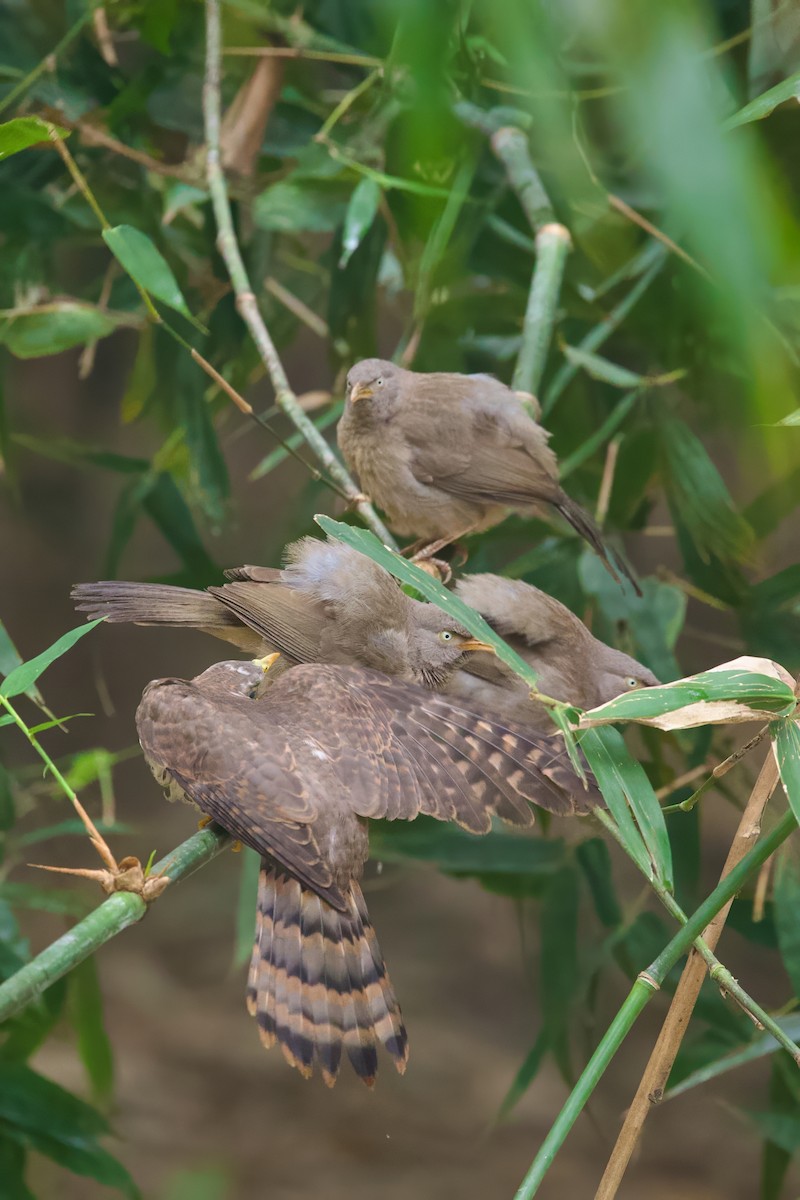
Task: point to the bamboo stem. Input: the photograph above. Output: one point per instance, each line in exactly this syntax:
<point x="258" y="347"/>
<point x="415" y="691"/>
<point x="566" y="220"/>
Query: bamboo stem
<point x="553" y="242"/>
<point x="246" y="301"/>
<point x="654" y="1080"/>
<point x="646" y="985"/>
<point x="108" y="919"/>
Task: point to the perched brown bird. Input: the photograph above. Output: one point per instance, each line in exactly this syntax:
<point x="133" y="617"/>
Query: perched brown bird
<point x="328" y="604"/>
<point x="571" y="663"/>
<point x="294" y="773"/>
<point x="444" y="454"/>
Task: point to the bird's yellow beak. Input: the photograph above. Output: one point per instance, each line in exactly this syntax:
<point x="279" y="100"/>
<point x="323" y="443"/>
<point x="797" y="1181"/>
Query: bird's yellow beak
<point x="474" y="644"/>
<point x="267" y="661"/>
<point x="360" y="391"/>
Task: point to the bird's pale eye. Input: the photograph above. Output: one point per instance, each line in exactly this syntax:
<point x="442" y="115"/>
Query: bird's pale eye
<point x="632" y="682"/>
<point x="379" y="383"/>
<point x="445" y="636"/>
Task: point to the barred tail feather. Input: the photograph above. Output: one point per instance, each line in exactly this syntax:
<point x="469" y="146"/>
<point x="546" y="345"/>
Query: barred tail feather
<point x="318" y="985"/>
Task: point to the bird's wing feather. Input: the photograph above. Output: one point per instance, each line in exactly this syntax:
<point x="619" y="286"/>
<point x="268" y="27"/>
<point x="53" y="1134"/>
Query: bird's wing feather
<point x="439" y="757"/>
<point x="249" y="784"/>
<point x="284" y="617"/>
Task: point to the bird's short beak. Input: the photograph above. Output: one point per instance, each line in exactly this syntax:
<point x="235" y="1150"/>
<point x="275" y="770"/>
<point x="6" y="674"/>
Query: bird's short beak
<point x="360" y="391"/>
<point x="474" y="644"/>
<point x="267" y="661"/>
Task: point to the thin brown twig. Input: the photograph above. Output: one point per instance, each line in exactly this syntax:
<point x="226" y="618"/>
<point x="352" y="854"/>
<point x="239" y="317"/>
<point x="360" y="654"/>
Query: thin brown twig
<point x="607" y="482"/>
<point x="331" y="56"/>
<point x="636" y="217"/>
<point x="296" y="306"/>
<point x="654" y="1080"/>
<point x="681" y="781"/>
<point x="761" y="889"/>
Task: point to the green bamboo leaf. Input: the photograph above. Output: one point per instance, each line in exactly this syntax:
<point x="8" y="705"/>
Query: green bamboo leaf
<point x="760" y="1047"/>
<point x="28" y="1030"/>
<point x="275" y="457"/>
<point x="146" y="265"/>
<point x="71" y="827"/>
<point x="787" y="915"/>
<point x="85" y="1158"/>
<point x="699" y="497"/>
<point x="10" y="658"/>
<point x="22" y="132"/>
<point x="595" y="862"/>
<point x="359" y="217"/>
<point x="559" y="977"/>
<point x="457" y="852"/>
<point x="792" y="419"/>
<point x="763" y="693"/>
<point x="8" y="812"/>
<point x="310" y="205"/>
<point x="86" y="1012"/>
<point x="600" y="368"/>
<point x="60" y="721"/>
<point x="24" y="676"/>
<point x="525" y="1075"/>
<point x="13" y="1160"/>
<point x="165" y="505"/>
<point x="625" y="786"/>
<point x="655" y="618"/>
<point x="786" y="747"/>
<point x="41" y="899"/>
<point x="246" y="906"/>
<point x="782" y="1129"/>
<point x="32" y="1103"/>
<point x="61" y="325"/>
<point x="766" y="103"/>
<point x="77" y="454"/>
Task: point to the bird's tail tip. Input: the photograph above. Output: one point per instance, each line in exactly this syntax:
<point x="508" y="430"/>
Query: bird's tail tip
<point x="583" y="524"/>
<point x="318" y="986"/>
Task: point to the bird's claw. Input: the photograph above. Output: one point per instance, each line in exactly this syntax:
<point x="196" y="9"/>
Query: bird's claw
<point x="127" y="875"/>
<point x="436" y="567"/>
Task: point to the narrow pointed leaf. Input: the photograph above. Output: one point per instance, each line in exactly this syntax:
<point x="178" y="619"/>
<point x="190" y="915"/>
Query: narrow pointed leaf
<point x="735" y="691"/>
<point x="24" y="676"/>
<point x="137" y="255"/>
<point x="786" y="747"/>
<point x="57" y="327"/>
<point x="625" y="786"/>
<point x="22" y="132"/>
<point x="759" y="1048"/>
<point x="359" y="216"/>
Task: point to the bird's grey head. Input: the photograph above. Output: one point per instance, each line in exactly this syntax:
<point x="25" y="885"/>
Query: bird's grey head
<point x="438" y="645"/>
<point x="618" y="673"/>
<point x="239" y="677"/>
<point x="373" y="386"/>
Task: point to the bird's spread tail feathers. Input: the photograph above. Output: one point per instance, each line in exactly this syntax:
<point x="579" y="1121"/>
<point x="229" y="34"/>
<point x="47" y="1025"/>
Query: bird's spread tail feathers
<point x="318" y="985"/>
<point x="149" y="604"/>
<point x="583" y="524"/>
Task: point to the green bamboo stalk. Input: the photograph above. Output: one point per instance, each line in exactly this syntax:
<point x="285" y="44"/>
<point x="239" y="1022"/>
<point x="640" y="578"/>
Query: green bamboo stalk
<point x="246" y="301"/>
<point x="603" y="330"/>
<point x="510" y="145"/>
<point x="644" y="988"/>
<point x="110" y="918"/>
<point x="47" y="62"/>
<point x="716" y="969"/>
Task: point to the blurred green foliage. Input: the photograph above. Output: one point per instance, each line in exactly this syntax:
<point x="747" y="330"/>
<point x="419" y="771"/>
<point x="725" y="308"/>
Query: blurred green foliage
<point x="373" y="219"/>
